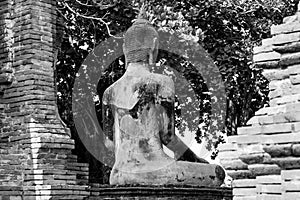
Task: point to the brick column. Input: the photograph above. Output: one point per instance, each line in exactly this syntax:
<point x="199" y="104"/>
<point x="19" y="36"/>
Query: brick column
<point x="35" y="146"/>
<point x="264" y="156"/>
<point x="6" y="36"/>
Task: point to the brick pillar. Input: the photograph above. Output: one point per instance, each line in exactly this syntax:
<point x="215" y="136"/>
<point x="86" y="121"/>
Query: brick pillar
<point x="35" y="146"/>
<point x="5" y="44"/>
<point x="264" y="157"/>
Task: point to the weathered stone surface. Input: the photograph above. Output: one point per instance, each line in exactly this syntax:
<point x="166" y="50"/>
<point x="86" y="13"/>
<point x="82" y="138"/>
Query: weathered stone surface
<point x="290" y="174"/>
<point x="267" y="42"/>
<point x="276" y="127"/>
<point x="269" y="56"/>
<point x="269" y="189"/>
<point x="275" y="74"/>
<point x="269" y="197"/>
<point x="267" y="129"/>
<point x="162" y="193"/>
<point x="288" y="48"/>
<point x="279" y="150"/>
<point x="229" y="155"/>
<point x="244" y="191"/>
<point x="287" y="162"/>
<point x="267" y="64"/>
<point x="227" y="147"/>
<point x="264" y="169"/>
<point x="286" y="38"/>
<point x="262" y="49"/>
<point x="269" y="179"/>
<point x="234" y="164"/>
<point x="290" y="59"/>
<point x="291" y="195"/>
<point x="285" y="28"/>
<point x="244" y="183"/>
<point x="252" y="197"/>
<point x="292" y="186"/>
<point x="296" y="149"/>
<point x="294" y="69"/>
<point x="295" y="79"/>
<point x="255" y="158"/>
<point x="240" y="174"/>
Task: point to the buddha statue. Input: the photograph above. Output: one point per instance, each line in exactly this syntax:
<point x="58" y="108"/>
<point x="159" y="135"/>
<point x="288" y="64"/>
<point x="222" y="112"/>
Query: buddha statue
<point x="141" y="104"/>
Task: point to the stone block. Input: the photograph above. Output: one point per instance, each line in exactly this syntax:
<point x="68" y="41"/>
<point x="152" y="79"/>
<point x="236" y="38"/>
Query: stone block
<point x="294" y="69"/>
<point x="267" y="64"/>
<point x="267" y="41"/>
<point x="276" y="74"/>
<point x="268" y="179"/>
<point x="287" y="48"/>
<point x="262" y="49"/>
<point x="246" y="139"/>
<point x="287" y="162"/>
<point x="285" y="28"/>
<point x="269" y="189"/>
<point x="286" y="38"/>
<point x="287" y="99"/>
<point x="290" y="59"/>
<point x="264" y="169"/>
<point x="291" y="195"/>
<point x="280" y="138"/>
<point x="266" y="129"/>
<point x="295" y="79"/>
<point x="245" y="197"/>
<point x="291" y="186"/>
<point x="278" y="150"/>
<point x="269" y="197"/>
<point x="244" y="183"/>
<point x="255" y="158"/>
<point x="296" y="89"/>
<point x="228" y="155"/>
<point x="235" y="164"/>
<point x="227" y="147"/>
<point x="244" y="191"/>
<point x="251" y="149"/>
<point x="287" y="117"/>
<point x="288" y="175"/>
<point x="265" y="110"/>
<point x="295" y="149"/>
<point x="269" y="56"/>
<point x="240" y="174"/>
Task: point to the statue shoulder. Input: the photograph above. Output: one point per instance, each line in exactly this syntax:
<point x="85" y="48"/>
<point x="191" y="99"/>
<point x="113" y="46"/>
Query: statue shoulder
<point x="120" y="94"/>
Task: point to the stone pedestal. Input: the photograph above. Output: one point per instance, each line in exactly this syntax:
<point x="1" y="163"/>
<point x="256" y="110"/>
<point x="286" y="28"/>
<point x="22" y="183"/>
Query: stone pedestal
<point x="162" y="193"/>
<point x="263" y="158"/>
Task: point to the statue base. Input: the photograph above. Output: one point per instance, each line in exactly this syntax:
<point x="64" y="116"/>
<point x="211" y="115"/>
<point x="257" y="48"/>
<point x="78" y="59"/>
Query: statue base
<point x="159" y="192"/>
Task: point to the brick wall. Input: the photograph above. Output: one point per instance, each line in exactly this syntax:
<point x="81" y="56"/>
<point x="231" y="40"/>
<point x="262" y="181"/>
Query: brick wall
<point x="264" y="157"/>
<point x="6" y="36"/>
<point x="35" y="146"/>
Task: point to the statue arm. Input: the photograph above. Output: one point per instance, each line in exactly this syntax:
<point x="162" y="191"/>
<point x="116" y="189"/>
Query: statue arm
<point x="171" y="140"/>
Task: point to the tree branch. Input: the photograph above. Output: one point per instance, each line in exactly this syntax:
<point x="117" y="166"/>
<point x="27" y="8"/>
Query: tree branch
<point x="91" y="18"/>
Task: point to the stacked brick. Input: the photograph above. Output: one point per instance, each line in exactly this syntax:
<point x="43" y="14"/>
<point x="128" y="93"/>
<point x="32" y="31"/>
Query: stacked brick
<point x="36" y="161"/>
<point x="6" y="24"/>
<point x="268" y="147"/>
<point x="102" y="192"/>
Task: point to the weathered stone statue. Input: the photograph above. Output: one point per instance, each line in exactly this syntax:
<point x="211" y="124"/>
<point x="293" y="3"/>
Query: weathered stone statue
<point x="141" y="104"/>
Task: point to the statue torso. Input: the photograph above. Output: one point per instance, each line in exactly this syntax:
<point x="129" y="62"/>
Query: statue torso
<point x="138" y="115"/>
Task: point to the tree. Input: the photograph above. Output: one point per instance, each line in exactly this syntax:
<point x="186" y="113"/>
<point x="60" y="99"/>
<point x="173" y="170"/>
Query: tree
<point x="228" y="30"/>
